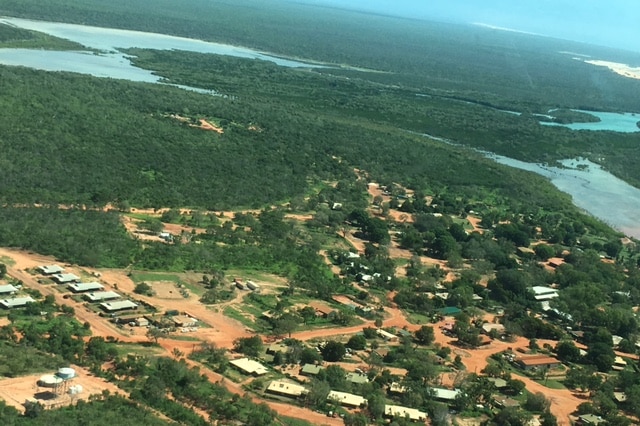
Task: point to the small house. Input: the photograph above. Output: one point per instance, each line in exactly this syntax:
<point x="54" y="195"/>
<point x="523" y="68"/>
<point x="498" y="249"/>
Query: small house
<point x="65" y="278"/>
<point x="50" y="269"/>
<point x="8" y="289"/>
<point x="120" y="305"/>
<point x="82" y="287"/>
<point x="346" y="399"/>
<point x="16" y="302"/>
<point x="393" y="411"/>
<point x="283" y="388"/>
<point x="537" y="361"/>
<point x="310" y="370"/>
<point x="249" y="366"/>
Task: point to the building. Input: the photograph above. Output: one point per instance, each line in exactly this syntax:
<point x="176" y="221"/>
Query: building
<point x="142" y="322"/>
<point x="590" y="419"/>
<point x="498" y="382"/>
<point x="544" y="293"/>
<point x="275" y="348"/>
<point x="50" y="269"/>
<point x="8" y="289"/>
<point x="119" y="305"/>
<point x="82" y="287"/>
<point x="183" y="321"/>
<point x="291" y="390"/>
<point x="445" y="395"/>
<point x="248" y="366"/>
<point x="450" y="311"/>
<point x="101" y="295"/>
<point x="65" y="278"/>
<point x="404" y="412"/>
<point x="619" y="363"/>
<point x="310" y="370"/>
<point x="357" y="378"/>
<point x="397" y="388"/>
<point x="16" y="302"/>
<point x="489" y="327"/>
<point x="537" y="361"/>
<point x="389" y="337"/>
<point x="346" y="399"/>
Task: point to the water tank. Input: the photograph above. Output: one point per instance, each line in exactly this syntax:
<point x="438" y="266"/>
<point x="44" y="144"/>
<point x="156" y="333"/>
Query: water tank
<point x="49" y="381"/>
<point x="66" y="373"/>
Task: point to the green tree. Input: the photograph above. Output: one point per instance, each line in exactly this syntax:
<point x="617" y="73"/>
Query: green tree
<point x="425" y="335"/>
<point x="251" y="346"/>
<point x="333" y="351"/>
<point x="357" y="342"/>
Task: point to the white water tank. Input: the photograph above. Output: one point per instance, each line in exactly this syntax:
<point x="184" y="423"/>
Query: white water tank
<point x="66" y="373"/>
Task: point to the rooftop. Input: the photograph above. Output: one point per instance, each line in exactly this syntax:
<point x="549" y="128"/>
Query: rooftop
<point x="310" y="369"/>
<point x="345" y="398"/>
<point x="446" y="394"/>
<point x="118" y="305"/>
<point x="357" y="378"/>
<point x="50" y="269"/>
<point x="249" y="366"/>
<point x="400" y="411"/>
<point x="7" y="289"/>
<point x="535" y="360"/>
<point x="80" y="287"/>
<point x="286" y="388"/>
<point x="101" y="295"/>
<point x="65" y="278"/>
<point x="16" y="302"/>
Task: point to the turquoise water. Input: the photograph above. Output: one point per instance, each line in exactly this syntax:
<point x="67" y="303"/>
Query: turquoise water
<point x="593" y="189"/>
<point x="616" y="122"/>
<point x="109" y="62"/>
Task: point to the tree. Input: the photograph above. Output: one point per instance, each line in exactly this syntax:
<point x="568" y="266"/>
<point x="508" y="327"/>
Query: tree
<point x="537" y="402"/>
<point x="143" y="288"/>
<point x="357" y="342"/>
<point x="318" y="392"/>
<point x="251" y="346"/>
<point x="425" y="335"/>
<point x="567" y="351"/>
<point x="3" y="270"/>
<point x="155" y="333"/>
<point x="333" y="351"/>
<point x="286" y="324"/>
<point x="548" y="419"/>
<point x="309" y="356"/>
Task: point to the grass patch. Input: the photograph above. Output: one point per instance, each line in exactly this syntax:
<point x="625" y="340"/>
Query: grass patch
<point x="415" y="318"/>
<point x="551" y="384"/>
<point x="237" y="315"/>
<point x="139" y="277"/>
<point x="125" y="349"/>
<point x="7" y="260"/>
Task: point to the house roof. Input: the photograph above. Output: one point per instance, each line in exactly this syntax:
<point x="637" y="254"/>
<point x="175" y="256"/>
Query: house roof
<point x="7" y="289"/>
<point x="506" y="402"/>
<point x="249" y="366"/>
<point x="65" y="278"/>
<point x="118" y="305"/>
<point x="446" y="394"/>
<point x="181" y="320"/>
<point x="357" y="378"/>
<point x="535" y="360"/>
<point x="591" y="419"/>
<point x="450" y="310"/>
<point x="498" y="382"/>
<point x="396" y="387"/>
<point x="487" y="327"/>
<point x="16" y="302"/>
<point x="345" y="398"/>
<point x="311" y="369"/>
<point x="101" y="295"/>
<point x="385" y="334"/>
<point x="50" y="269"/>
<point x="400" y="411"/>
<point x="80" y="287"/>
<point x="286" y="388"/>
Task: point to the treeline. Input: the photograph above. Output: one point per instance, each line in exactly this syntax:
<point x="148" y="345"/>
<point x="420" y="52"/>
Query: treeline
<point x="88" y="238"/>
<point x="102" y="410"/>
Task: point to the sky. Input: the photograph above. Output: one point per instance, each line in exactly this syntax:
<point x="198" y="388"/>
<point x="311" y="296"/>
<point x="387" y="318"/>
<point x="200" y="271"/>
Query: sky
<point x="612" y="23"/>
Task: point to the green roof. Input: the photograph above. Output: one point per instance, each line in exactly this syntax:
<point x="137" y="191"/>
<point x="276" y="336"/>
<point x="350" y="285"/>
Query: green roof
<point x="311" y="369"/>
<point x="450" y="310"/>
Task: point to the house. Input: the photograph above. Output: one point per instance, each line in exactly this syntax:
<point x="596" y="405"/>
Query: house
<point x="404" y="412"/>
<point x="620" y="397"/>
<point x="489" y="327"/>
<point x="346" y="399"/>
<point x="554" y="262"/>
<point x="82" y="287"/>
<point x="275" y="348"/>
<point x="445" y="395"/>
<point x="544" y="293"/>
<point x="310" y="370"/>
<point x="357" y="378"/>
<point x="16" y="302"/>
<point x="8" y="289"/>
<point x="248" y="366"/>
<point x="590" y="419"/>
<point x="101" y="295"/>
<point x="619" y="363"/>
<point x="142" y="322"/>
<point x="291" y="390"/>
<point x="450" y="311"/>
<point x="65" y="278"/>
<point x="389" y="337"/>
<point x="526" y="252"/>
<point x="183" y="321"/>
<point x="119" y="305"/>
<point x="498" y="382"/>
<point x="50" y="269"/>
<point x="537" y="361"/>
<point x="502" y="402"/>
<point x="397" y="388"/>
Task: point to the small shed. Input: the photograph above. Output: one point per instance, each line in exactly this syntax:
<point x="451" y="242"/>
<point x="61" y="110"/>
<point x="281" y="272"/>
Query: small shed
<point x="8" y="289"/>
<point x="16" y="302"/>
<point x="346" y="399"/>
<point x="310" y="370"/>
<point x="119" y="305"/>
<point x="65" y="278"/>
<point x="50" y="269"/>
